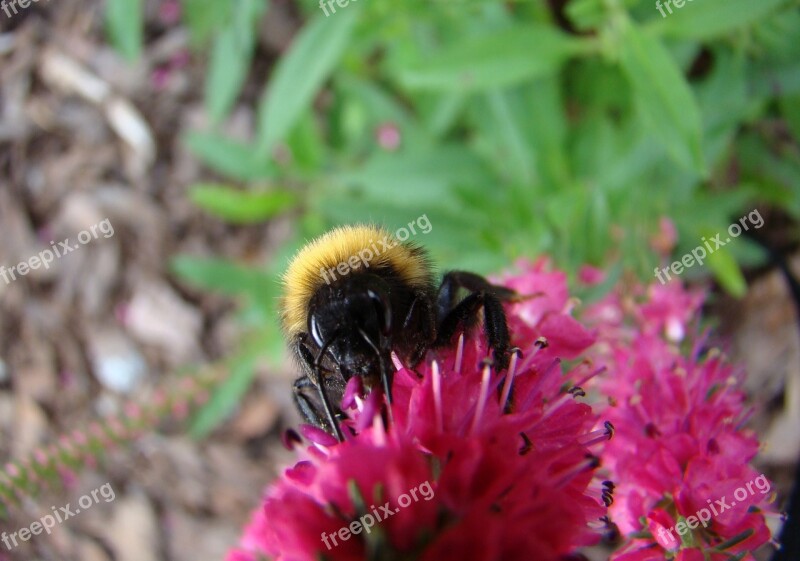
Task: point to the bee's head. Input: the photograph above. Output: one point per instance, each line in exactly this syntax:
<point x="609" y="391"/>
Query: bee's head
<point x="350" y="320"/>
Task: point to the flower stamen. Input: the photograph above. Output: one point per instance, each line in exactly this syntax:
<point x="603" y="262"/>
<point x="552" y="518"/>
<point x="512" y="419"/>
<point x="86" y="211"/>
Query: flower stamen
<point x="598" y="435"/>
<point x="437" y="396"/>
<point x="481" y="397"/>
<point x="459" y="353"/>
<point x="512" y="370"/>
<point x="590" y="463"/>
<point x="576" y="392"/>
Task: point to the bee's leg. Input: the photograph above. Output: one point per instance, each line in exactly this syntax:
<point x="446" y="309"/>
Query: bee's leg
<point x="455" y="280"/>
<point x="387" y="372"/>
<point x="420" y="323"/>
<point x="314" y="376"/>
<point x="383" y="353"/>
<point x="308" y="409"/>
<point x="382" y="347"/>
<point x="484" y="295"/>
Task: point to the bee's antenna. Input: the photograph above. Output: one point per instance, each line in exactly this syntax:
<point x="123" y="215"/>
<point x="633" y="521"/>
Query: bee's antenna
<point x="386" y="377"/>
<point x="323" y="395"/>
<point x="387" y="388"/>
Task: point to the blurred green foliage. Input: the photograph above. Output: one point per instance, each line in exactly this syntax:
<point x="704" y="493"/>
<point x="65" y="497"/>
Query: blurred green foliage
<point x="519" y="130"/>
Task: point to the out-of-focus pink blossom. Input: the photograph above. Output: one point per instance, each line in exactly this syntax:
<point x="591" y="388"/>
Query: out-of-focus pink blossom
<point x="389" y="137"/>
<point x="680" y="444"/>
<point x="591" y="276"/>
<point x="159" y="77"/>
<point x="664" y="241"/>
<point x="169" y="12"/>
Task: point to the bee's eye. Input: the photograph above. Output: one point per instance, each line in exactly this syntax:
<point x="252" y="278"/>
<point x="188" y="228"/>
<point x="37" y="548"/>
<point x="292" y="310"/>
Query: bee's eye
<point x="315" y="331"/>
<point x="383" y="307"/>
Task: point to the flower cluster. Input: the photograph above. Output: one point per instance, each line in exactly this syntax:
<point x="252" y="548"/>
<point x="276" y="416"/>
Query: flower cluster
<point x="680" y="457"/>
<point x="507" y="455"/>
<point x="512" y="458"/>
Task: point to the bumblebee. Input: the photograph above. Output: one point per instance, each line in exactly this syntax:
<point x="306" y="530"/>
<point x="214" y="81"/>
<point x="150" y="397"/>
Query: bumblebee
<point x="355" y="295"/>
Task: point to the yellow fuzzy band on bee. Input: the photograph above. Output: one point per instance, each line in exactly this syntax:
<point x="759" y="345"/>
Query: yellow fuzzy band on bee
<point x="353" y="249"/>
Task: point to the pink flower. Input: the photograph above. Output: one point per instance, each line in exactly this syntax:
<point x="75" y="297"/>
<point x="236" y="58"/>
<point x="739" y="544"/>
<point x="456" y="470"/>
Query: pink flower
<point x="471" y="467"/>
<point x="388" y="136"/>
<point x="684" y="412"/>
<point x="591" y="276"/>
<point x="159" y="78"/>
<point x="478" y="465"/>
<point x="545" y="312"/>
<point x="667" y="237"/>
<point x="169" y="12"/>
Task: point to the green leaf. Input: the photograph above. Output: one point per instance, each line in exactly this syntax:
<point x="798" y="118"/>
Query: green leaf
<point x="547" y="126"/>
<point x="229" y="157"/>
<point x="230" y="59"/>
<point x="203" y="17"/>
<point x="707" y="19"/>
<point x="500" y="59"/>
<point x="790" y="109"/>
<point x="417" y="178"/>
<point x="227" y="395"/>
<point x="227" y="71"/>
<point x="774" y="174"/>
<point x="241" y="207"/>
<point x="443" y="112"/>
<point x="767" y="81"/>
<point x="586" y="14"/>
<point x="727" y="272"/>
<point x="725" y="103"/>
<point x="124" y="25"/>
<point x="364" y="106"/>
<point x="663" y="97"/>
<point x="501" y="118"/>
<point x="246" y="17"/>
<point x="306" y="145"/>
<point x="300" y="73"/>
<point x="228" y="278"/>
